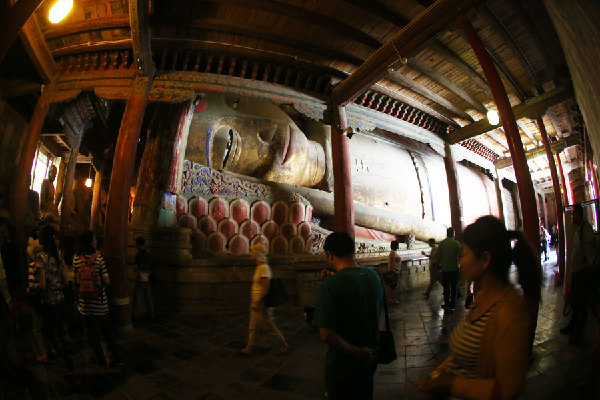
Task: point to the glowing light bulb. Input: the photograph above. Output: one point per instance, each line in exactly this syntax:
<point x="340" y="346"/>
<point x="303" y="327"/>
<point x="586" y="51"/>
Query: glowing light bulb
<point x="493" y="117"/>
<point x="88" y="182"/>
<point x="59" y="10"/>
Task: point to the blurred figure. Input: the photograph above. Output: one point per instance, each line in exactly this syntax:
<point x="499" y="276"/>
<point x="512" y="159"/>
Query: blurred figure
<point x="435" y="271"/>
<point x="51" y="282"/>
<point x="393" y="269"/>
<point x="448" y="252"/>
<point x="580" y="276"/>
<point x="347" y="316"/>
<point x="258" y="311"/>
<point x="489" y="349"/>
<point x="142" y="285"/>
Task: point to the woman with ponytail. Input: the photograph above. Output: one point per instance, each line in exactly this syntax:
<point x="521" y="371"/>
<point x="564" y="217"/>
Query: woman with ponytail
<point x="489" y="349"/>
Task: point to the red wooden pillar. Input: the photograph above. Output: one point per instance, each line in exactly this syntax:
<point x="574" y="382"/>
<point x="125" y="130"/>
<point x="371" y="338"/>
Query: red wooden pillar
<point x="453" y="193"/>
<point x="531" y="225"/>
<point x="67" y="193"/>
<point x="557" y="197"/>
<point x="95" y="200"/>
<point x="342" y="174"/>
<point x="593" y="177"/>
<point x="117" y="209"/>
<point x="565" y="196"/>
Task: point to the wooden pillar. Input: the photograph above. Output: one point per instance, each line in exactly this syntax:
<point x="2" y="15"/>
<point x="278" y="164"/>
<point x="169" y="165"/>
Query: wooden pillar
<point x="453" y="193"/>
<point x="94" y="215"/>
<point x="21" y="183"/>
<point x="498" y="183"/>
<point x="342" y="174"/>
<point x="67" y="193"/>
<point x="557" y="196"/>
<point x="565" y="196"/>
<point x="513" y="137"/>
<point x="117" y="210"/>
<point x="161" y="161"/>
<point x="60" y="181"/>
<point x="592" y="174"/>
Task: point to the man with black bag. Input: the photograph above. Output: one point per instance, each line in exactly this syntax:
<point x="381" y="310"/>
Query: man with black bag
<point x="347" y="315"/>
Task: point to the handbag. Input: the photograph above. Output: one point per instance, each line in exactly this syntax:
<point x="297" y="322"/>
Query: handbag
<point x="387" y="347"/>
<point x="276" y="294"/>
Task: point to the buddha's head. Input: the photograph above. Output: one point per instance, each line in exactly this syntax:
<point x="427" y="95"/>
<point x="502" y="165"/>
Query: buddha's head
<point x="253" y="138"/>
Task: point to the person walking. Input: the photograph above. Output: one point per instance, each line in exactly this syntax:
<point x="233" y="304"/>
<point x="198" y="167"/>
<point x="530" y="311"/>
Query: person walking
<point x="448" y="252"/>
<point x="489" y="348"/>
<point x="258" y="311"/>
<point x="142" y="285"/>
<point x="580" y="276"/>
<point x="393" y="269"/>
<point x="434" y="267"/>
<point x="91" y="280"/>
<point x="347" y="315"/>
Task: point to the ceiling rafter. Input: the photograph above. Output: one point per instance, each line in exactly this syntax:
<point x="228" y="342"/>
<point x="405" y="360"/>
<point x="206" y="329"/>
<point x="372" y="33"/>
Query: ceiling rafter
<point x="453" y="58"/>
<point x="381" y="10"/>
<point x="447" y="83"/>
<point x="305" y="15"/>
<point x="413" y="35"/>
<point x="528" y="132"/>
<point x="427" y="93"/>
<point x="237" y="28"/>
<point x="411" y="102"/>
<point x="86" y="25"/>
<point x="512" y="44"/>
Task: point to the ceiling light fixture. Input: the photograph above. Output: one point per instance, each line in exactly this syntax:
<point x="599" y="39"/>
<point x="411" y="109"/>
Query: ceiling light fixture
<point x="88" y="181"/>
<point x="60" y="10"/>
<point x="493" y="117"/>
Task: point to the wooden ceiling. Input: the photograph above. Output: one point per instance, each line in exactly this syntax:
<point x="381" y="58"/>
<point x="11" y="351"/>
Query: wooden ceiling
<point x="312" y="45"/>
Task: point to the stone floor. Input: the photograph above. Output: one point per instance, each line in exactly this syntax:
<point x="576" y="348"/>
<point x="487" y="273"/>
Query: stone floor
<point x="192" y="355"/>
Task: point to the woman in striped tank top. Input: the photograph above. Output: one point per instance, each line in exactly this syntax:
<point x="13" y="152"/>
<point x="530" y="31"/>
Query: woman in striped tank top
<point x="489" y="349"/>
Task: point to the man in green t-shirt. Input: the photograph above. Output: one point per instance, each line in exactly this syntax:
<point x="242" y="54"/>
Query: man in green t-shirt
<point x="347" y="315"/>
<point x="448" y="253"/>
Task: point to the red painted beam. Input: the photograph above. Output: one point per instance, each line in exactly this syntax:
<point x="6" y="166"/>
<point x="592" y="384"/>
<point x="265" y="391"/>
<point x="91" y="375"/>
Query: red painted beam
<point x="531" y="225"/>
<point x="342" y="173"/>
<point x="557" y="197"/>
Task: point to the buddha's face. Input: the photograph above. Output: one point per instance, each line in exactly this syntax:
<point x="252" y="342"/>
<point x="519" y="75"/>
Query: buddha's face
<point x="256" y="139"/>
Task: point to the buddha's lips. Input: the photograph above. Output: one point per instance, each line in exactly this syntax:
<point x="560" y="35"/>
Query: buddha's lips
<point x="289" y="145"/>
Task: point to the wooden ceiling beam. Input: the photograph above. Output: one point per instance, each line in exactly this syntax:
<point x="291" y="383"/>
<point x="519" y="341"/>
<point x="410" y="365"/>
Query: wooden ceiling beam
<point x="86" y="25"/>
<point x="412" y="102"/>
<point x="535" y="106"/>
<point x="309" y="17"/>
<point x="36" y="47"/>
<point x="528" y="132"/>
<point x="104" y="45"/>
<point x="381" y="10"/>
<point x="557" y="147"/>
<point x="13" y="19"/>
<point x="499" y="137"/>
<point x="453" y="58"/>
<point x="555" y="123"/>
<point x="234" y="49"/>
<point x="447" y="83"/>
<point x="247" y="30"/>
<point x="510" y="41"/>
<point x="140" y="37"/>
<point x="419" y="30"/>
<point x="427" y="93"/>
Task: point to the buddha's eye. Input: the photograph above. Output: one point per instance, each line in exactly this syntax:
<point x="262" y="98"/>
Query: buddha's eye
<point x="228" y="147"/>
